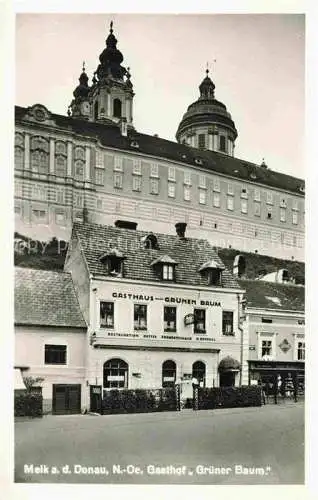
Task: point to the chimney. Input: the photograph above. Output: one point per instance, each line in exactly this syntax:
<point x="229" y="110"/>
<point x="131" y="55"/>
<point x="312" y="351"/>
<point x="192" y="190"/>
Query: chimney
<point x="125" y="224"/>
<point x="181" y="228"/>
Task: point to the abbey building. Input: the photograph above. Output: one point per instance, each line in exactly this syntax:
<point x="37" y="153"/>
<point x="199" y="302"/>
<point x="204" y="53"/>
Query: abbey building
<point x="94" y="166"/>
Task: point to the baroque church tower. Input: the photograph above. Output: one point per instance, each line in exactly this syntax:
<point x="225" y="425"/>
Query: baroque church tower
<point x="110" y="97"/>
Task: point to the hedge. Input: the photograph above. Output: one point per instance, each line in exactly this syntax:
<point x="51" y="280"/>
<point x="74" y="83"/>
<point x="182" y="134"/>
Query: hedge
<point x="28" y="404"/>
<point x="229" y="397"/>
<point x="139" y="400"/>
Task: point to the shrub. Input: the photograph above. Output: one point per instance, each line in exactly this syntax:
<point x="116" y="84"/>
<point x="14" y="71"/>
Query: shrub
<point x="229" y="397"/>
<point x="28" y="404"/>
<point x="139" y="400"/>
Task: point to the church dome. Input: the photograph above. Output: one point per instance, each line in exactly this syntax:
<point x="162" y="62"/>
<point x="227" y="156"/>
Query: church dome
<point x="206" y="113"/>
<point x="111" y="59"/>
<point x="82" y="90"/>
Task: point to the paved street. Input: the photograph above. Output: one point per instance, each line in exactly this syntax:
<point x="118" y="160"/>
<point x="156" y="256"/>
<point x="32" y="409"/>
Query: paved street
<point x="234" y="446"/>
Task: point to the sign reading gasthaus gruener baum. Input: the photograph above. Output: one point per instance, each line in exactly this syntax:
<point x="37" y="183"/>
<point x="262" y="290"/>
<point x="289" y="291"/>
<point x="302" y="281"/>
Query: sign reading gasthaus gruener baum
<point x="174" y="300"/>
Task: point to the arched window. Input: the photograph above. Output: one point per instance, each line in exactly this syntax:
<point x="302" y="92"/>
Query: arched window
<point x="96" y="111"/>
<point x="60" y="165"/>
<point x="18" y="158"/>
<point x="115" y="374"/>
<point x="117" y="108"/>
<point x="44" y="162"/>
<point x="198" y="372"/>
<point x="35" y="161"/>
<point x="169" y="372"/>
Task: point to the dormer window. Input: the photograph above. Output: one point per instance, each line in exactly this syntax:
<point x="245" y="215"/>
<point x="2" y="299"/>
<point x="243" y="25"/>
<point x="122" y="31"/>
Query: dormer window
<point x="114" y="260"/>
<point x="165" y="267"/>
<point x="150" y="242"/>
<point x="168" y="272"/>
<point x="134" y="144"/>
<point x="198" y="161"/>
<point x="213" y="272"/>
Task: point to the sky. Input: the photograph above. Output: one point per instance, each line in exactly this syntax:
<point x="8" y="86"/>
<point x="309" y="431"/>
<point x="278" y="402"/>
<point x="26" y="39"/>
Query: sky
<point x="259" y="71"/>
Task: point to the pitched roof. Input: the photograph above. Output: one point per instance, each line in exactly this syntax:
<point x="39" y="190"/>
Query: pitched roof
<point x="267" y="295"/>
<point x="110" y="136"/>
<point x="189" y="253"/>
<point x="46" y="298"/>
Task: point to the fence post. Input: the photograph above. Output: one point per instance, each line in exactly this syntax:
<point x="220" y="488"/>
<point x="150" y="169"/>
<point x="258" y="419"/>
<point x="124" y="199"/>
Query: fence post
<point x="177" y="393"/>
<point x="195" y="404"/>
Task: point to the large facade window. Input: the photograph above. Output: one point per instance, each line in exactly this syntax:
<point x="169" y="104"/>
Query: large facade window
<point x="118" y="181"/>
<point x="257" y="209"/>
<point x="154" y="186"/>
<point x="257" y="195"/>
<point x="170" y="319"/>
<point x="267" y="348"/>
<point x="99" y="176"/>
<point x="55" y="354"/>
<point x="171" y="190"/>
<point x="216" y="200"/>
<point x="187" y="178"/>
<point x="227" y="323"/>
<point x="137" y="167"/>
<point x="230" y="203"/>
<point x="154" y="170"/>
<point x="169" y="373"/>
<point x="216" y="185"/>
<point x="198" y="372"/>
<point x="115" y="374"/>
<point x="140" y="317"/>
<point x="187" y="193"/>
<point x="79" y="170"/>
<point x="283" y="214"/>
<point x="202" y="197"/>
<point x="244" y="206"/>
<point x="301" y="351"/>
<point x="18" y="158"/>
<point x="171" y="174"/>
<point x="136" y="183"/>
<point x="107" y="314"/>
<point x="295" y="217"/>
<point x="199" y="321"/>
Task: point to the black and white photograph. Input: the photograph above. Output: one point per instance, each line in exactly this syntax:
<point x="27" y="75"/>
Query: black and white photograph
<point x="159" y="249"/>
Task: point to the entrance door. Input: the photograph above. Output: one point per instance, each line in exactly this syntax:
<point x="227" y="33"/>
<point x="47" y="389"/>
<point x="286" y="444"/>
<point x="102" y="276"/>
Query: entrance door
<point x="96" y="398"/>
<point x="66" y="399"/>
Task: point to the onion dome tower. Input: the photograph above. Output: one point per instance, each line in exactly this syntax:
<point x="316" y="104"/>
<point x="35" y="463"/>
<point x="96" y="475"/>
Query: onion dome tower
<point x="80" y="106"/>
<point x="207" y="124"/>
<point x="111" y="94"/>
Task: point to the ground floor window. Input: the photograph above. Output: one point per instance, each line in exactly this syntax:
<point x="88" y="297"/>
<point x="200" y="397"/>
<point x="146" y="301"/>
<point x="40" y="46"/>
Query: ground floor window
<point x="169" y="372"/>
<point x="115" y="374"/>
<point x="301" y="351"/>
<point x="198" y="372"/>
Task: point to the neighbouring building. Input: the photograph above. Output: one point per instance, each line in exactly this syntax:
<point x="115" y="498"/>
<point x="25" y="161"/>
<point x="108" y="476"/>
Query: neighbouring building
<point x="160" y="309"/>
<point x="275" y="326"/>
<point x="50" y="338"/>
<point x="93" y="165"/>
